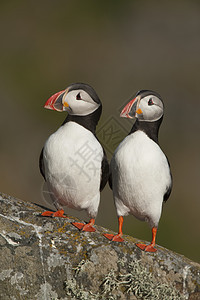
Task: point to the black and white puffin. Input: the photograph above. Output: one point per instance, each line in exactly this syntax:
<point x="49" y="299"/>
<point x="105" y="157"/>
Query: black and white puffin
<point x="140" y="174"/>
<point x="73" y="162"/>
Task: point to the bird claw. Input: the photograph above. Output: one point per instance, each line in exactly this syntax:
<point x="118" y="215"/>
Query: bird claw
<point x="89" y="228"/>
<point x="114" y="238"/>
<point x="146" y="248"/>
<point x="109" y="236"/>
<point x="47" y="214"/>
<point x="84" y="227"/>
<point x="58" y="214"/>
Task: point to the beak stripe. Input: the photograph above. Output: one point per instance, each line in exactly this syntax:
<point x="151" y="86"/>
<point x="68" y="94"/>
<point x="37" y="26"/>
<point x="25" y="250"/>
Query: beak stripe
<point x="52" y="100"/>
<point x="127" y="108"/>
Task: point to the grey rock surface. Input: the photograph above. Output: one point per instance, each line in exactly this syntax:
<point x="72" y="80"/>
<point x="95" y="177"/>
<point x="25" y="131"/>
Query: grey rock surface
<point x="48" y="258"/>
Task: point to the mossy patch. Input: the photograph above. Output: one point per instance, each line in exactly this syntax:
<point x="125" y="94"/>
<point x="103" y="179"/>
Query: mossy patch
<point x="138" y="283"/>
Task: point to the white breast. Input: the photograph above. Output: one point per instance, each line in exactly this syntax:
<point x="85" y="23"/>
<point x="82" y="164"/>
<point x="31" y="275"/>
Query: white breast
<point x="141" y="176"/>
<point x="72" y="159"/>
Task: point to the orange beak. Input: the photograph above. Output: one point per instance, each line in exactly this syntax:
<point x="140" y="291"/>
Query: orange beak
<point x="130" y="110"/>
<point x="55" y="101"/>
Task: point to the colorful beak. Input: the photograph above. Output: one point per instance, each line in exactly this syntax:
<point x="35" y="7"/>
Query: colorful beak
<point x="130" y="110"/>
<point x="55" y="101"/>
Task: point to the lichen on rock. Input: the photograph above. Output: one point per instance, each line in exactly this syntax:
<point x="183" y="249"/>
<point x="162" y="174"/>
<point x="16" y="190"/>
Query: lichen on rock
<point x="48" y="258"/>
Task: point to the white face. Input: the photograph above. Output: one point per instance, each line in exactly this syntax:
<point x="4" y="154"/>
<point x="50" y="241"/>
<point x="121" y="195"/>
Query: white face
<point x="149" y="108"/>
<point x="78" y="102"/>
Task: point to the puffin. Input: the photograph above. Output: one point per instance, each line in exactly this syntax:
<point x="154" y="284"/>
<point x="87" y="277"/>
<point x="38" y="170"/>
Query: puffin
<point x="72" y="161"/>
<point x="140" y="174"/>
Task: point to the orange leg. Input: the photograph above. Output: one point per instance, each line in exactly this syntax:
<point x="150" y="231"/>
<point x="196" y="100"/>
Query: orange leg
<point x="85" y="227"/>
<point x="118" y="237"/>
<point x="149" y="248"/>
<point x="59" y="213"/>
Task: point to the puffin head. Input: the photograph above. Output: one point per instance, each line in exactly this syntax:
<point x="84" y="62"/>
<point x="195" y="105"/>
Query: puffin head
<point x="78" y="99"/>
<point x="146" y="106"/>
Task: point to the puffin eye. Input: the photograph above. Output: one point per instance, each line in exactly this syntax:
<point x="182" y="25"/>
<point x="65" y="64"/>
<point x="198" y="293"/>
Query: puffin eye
<point x="150" y="102"/>
<point x="78" y="96"/>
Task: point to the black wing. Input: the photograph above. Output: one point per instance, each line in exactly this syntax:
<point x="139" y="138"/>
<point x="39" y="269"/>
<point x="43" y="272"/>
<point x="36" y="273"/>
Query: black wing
<point x="110" y="180"/>
<point x="168" y="192"/>
<point x="104" y="171"/>
<point x="41" y="164"/>
<point x="169" y="189"/>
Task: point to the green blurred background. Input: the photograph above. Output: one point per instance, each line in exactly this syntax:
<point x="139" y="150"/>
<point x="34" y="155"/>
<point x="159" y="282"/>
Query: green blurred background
<point x="118" y="47"/>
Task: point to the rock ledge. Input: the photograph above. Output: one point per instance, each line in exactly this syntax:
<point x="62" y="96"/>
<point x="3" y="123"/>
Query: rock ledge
<point x="44" y="258"/>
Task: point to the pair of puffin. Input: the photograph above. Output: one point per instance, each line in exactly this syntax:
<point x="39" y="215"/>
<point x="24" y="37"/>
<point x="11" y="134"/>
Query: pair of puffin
<point x="139" y="173"/>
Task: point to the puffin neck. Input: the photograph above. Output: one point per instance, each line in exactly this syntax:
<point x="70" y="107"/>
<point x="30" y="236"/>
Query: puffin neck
<point x="150" y="128"/>
<point x="89" y="121"/>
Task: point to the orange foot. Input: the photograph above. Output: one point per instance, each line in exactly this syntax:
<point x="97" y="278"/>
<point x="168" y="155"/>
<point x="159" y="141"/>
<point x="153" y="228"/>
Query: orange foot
<point x="114" y="238"/>
<point x="147" y="248"/>
<point x="84" y="227"/>
<point x="58" y="213"/>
